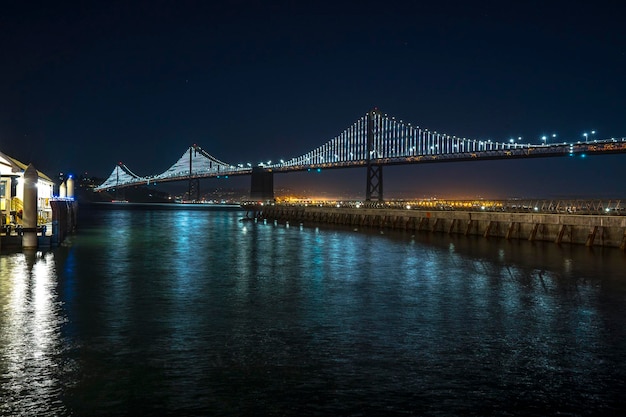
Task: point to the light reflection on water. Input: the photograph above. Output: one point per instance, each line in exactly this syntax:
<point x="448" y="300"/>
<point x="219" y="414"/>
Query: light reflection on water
<point x="30" y="341"/>
<point x="152" y="312"/>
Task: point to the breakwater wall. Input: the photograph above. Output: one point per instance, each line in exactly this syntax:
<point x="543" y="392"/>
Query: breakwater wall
<point x="590" y="230"/>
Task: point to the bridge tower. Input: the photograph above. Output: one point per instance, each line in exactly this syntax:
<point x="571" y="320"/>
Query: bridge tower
<point x="120" y="194"/>
<point x="193" y="193"/>
<point x="374" y="189"/>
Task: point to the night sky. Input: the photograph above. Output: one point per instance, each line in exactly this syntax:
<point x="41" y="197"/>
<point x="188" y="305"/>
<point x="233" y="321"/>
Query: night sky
<point x="84" y="85"/>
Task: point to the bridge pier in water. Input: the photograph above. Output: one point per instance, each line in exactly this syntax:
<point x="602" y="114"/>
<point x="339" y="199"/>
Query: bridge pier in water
<point x="193" y="193"/>
<point x="374" y="183"/>
<point x="374" y="189"/>
<point x="261" y="184"/>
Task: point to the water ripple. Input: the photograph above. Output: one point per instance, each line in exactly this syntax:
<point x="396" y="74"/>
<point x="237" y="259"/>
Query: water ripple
<point x="194" y="313"/>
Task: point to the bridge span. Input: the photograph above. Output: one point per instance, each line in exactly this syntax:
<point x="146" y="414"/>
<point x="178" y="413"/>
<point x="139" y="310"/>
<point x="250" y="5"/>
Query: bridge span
<point x="372" y="142"/>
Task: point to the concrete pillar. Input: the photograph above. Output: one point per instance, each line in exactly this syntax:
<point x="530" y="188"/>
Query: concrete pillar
<point x="70" y="187"/>
<point x="29" y="218"/>
<point x="261" y="184"/>
<point x="62" y="190"/>
<point x="59" y="221"/>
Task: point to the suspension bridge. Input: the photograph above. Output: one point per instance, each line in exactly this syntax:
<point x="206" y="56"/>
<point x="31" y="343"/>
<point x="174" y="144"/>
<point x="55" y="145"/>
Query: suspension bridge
<point x="373" y="141"/>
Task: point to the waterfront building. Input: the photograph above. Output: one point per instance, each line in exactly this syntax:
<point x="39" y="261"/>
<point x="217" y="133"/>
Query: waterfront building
<point x="12" y="192"/>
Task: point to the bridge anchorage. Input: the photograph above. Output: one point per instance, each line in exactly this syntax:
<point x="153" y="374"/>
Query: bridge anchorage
<point x="373" y="141"/>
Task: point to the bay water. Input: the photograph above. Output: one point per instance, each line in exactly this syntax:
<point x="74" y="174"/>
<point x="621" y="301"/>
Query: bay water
<point x="161" y="311"/>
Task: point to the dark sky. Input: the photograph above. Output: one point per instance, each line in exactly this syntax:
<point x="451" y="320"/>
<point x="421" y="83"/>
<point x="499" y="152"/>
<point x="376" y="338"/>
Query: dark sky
<point x="84" y="85"/>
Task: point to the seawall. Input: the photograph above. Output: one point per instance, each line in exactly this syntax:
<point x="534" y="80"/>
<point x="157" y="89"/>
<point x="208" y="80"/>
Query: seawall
<point x="590" y="230"/>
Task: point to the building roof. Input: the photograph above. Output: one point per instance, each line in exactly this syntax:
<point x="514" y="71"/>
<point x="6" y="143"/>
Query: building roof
<point x="17" y="166"/>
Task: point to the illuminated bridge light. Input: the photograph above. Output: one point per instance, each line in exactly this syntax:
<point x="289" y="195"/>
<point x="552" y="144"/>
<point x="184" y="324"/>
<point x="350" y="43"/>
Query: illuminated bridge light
<point x="389" y="141"/>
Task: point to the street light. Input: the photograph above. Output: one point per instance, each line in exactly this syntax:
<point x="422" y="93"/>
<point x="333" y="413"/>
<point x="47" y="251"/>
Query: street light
<point x="586" y="136"/>
<point x="544" y="138"/>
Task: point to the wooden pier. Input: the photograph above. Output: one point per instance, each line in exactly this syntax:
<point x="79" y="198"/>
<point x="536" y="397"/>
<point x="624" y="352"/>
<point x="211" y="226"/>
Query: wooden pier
<point x="64" y="213"/>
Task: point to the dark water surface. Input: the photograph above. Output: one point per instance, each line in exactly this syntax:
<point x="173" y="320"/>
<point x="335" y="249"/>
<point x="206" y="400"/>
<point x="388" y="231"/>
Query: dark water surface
<point x="161" y="312"/>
